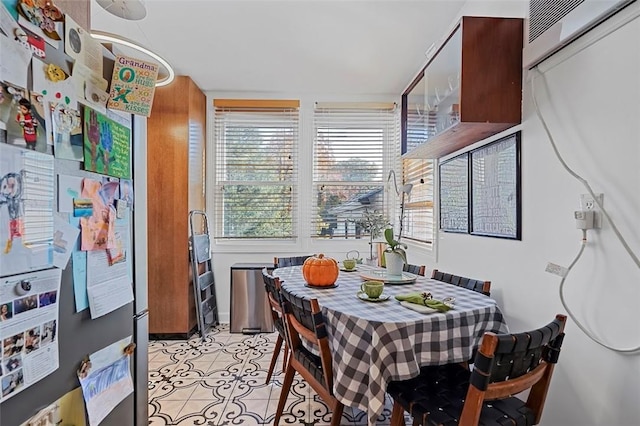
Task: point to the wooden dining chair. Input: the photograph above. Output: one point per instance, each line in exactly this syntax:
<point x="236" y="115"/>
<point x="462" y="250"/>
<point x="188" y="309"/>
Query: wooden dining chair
<point x="272" y="287"/>
<point x="483" y="287"/>
<point x="414" y="269"/>
<point x="304" y="322"/>
<point x="505" y="365"/>
<point x="282" y="262"/>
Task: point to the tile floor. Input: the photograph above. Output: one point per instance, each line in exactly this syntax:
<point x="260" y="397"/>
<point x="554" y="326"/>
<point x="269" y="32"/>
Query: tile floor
<point x="222" y="382"/>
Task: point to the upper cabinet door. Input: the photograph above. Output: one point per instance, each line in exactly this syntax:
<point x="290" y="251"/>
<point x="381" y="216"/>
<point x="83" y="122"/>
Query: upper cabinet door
<point x="470" y="89"/>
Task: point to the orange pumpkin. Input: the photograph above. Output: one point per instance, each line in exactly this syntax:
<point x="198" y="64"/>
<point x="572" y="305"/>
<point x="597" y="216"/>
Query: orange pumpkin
<point x="320" y="271"/>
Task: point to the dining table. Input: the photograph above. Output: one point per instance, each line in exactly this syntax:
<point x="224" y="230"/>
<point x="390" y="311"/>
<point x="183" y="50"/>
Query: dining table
<point x="374" y="342"/>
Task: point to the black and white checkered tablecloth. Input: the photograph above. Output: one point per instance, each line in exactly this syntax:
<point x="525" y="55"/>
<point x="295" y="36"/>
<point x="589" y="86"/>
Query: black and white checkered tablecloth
<point x="375" y="343"/>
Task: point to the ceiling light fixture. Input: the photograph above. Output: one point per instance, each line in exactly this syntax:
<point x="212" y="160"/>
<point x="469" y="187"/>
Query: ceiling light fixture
<point x="131" y="10"/>
<point x="105" y="37"/>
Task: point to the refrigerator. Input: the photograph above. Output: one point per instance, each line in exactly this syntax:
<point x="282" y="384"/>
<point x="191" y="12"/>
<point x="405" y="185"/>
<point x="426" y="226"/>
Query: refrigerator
<point x="79" y="335"/>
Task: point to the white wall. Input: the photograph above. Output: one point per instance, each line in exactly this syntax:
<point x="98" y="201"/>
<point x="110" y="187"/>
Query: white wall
<point x="591" y="104"/>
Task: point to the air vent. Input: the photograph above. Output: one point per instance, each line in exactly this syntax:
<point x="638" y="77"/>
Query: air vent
<point x="553" y="24"/>
<point x="544" y="13"/>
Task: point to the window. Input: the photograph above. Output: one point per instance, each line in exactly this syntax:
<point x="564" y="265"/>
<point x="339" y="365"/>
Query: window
<point x="418" y="208"/>
<point x="420" y="126"/>
<point x="256" y="174"/>
<point x="352" y="148"/>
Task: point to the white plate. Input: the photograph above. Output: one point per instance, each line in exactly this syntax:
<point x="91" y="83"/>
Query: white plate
<point x="381" y="275"/>
<point x="348" y="270"/>
<point x="362" y="296"/>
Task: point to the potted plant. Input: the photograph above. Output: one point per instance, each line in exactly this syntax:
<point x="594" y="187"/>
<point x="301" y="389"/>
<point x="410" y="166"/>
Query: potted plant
<point x="395" y="254"/>
<point x="373" y="223"/>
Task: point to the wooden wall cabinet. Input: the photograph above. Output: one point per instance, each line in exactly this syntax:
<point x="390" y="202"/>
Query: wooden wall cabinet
<point x="175" y="172"/>
<point x="469" y="90"/>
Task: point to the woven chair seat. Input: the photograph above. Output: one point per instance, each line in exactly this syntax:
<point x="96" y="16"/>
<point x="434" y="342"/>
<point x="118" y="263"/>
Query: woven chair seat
<point x="437" y="395"/>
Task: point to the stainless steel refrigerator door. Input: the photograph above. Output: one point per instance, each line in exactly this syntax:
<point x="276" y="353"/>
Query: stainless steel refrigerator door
<point x="140" y="276"/>
<point x="141" y="368"/>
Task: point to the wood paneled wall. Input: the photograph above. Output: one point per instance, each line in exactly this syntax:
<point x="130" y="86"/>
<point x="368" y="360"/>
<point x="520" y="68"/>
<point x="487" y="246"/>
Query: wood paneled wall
<point x="176" y="140"/>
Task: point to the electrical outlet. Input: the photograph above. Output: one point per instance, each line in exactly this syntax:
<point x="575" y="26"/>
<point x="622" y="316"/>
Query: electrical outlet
<point x="587" y="203"/>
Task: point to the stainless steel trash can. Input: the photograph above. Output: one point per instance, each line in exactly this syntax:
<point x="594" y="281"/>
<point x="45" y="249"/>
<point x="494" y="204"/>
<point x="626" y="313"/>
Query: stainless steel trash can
<point x="250" y="310"/>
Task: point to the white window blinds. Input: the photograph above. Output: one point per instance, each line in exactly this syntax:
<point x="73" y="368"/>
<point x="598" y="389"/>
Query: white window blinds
<point x="419" y="207"/>
<point x="256" y="177"/>
<point x="352" y="145"/>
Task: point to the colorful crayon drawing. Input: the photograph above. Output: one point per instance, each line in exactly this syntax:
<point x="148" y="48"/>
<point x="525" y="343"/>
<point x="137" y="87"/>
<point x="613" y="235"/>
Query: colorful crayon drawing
<point x="107" y="145"/>
<point x="11" y="195"/>
<point x="26" y="210"/>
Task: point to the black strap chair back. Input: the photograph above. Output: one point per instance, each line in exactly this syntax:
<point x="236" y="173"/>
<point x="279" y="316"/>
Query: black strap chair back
<point x="302" y="311"/>
<point x="480" y="286"/>
<point x="505" y="365"/>
<point x="414" y="269"/>
<point x="306" y="328"/>
<point x="272" y="287"/>
<point x="282" y="262"/>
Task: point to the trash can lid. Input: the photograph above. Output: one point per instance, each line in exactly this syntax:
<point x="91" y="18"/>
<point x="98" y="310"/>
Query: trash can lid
<point x="252" y="265"/>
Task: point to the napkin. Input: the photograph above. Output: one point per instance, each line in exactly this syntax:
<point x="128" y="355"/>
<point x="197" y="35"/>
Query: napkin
<point x="424" y="299"/>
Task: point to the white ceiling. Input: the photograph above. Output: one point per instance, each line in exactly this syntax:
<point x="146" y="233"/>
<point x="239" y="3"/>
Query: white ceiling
<point x="347" y="47"/>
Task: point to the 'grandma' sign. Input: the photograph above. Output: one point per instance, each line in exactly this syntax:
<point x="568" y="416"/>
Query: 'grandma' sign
<point x="133" y="84"/>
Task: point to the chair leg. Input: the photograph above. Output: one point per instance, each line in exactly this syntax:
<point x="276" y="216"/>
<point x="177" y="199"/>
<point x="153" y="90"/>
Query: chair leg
<point x="337" y="414"/>
<point x="397" y="415"/>
<point x="274" y="358"/>
<point x="286" y="385"/>
<point x="286" y="357"/>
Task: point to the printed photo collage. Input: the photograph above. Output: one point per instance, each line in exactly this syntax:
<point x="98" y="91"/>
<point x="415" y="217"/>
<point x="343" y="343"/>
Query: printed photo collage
<point x="29" y="326"/>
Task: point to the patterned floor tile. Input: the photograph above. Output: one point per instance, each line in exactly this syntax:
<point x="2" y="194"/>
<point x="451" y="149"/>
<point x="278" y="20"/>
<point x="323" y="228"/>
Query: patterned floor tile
<point x="164" y="411"/>
<point x="294" y="413"/>
<point x="167" y="356"/>
<point x="201" y="412"/>
<point x="213" y="389"/>
<point x="160" y="369"/>
<point x="250" y="389"/>
<point x="226" y="370"/>
<point x="320" y="414"/>
<point x="174" y="389"/>
<point x="193" y="369"/>
<point x="221" y="382"/>
<point x="159" y="421"/>
<point x="244" y="412"/>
